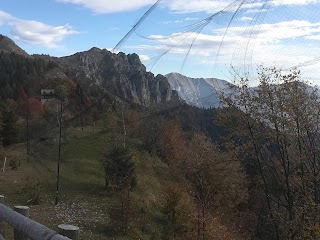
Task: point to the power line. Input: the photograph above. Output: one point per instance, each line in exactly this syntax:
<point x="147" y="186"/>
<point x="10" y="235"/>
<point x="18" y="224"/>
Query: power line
<point x="138" y="23"/>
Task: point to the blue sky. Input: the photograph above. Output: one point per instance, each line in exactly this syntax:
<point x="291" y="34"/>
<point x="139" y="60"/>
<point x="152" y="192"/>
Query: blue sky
<point x="282" y="33"/>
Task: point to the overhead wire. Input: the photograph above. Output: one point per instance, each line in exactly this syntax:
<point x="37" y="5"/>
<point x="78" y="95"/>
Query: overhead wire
<point x="195" y="28"/>
<point x="136" y="25"/>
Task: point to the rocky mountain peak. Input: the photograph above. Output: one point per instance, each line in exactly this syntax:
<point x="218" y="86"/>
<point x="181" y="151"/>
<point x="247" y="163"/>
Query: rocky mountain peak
<point x="121" y="73"/>
<point x="98" y="72"/>
<point x="134" y="59"/>
<point x="200" y="92"/>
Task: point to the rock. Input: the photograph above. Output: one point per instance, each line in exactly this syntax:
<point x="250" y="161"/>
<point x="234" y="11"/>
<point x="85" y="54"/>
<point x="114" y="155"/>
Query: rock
<point x="122" y="74"/>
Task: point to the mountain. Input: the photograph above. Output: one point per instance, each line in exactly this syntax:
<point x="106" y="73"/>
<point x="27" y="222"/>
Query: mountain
<point x="9" y="46"/>
<point x="124" y="75"/>
<point x="206" y="92"/>
<point x="200" y="92"/>
<point x="97" y="72"/>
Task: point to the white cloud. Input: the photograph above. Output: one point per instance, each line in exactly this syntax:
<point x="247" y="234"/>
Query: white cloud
<point x="34" y="32"/>
<point x="38" y="33"/>
<point x="187" y="19"/>
<point x="271" y="33"/>
<point x="314" y="37"/>
<point x="5" y="18"/>
<point x="294" y="2"/>
<point x="110" y="6"/>
<point x="191" y="19"/>
<point x="256" y="10"/>
<point x="112" y="50"/>
<point x="196" y="5"/>
<point x="144" y="58"/>
<point x="244" y="19"/>
<point x="179" y="6"/>
<point x="282" y="44"/>
<point x="213" y="6"/>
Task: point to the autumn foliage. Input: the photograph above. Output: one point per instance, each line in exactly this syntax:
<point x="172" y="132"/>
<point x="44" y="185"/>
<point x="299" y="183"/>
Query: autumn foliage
<point x="31" y="107"/>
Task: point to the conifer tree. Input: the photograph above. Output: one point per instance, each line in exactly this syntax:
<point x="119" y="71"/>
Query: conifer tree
<point x="8" y="131"/>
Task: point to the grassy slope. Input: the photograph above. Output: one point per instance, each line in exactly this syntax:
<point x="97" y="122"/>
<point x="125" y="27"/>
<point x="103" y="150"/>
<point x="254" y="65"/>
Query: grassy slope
<point x="83" y="198"/>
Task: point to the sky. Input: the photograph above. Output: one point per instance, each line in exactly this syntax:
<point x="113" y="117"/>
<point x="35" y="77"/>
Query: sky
<point x="198" y="38"/>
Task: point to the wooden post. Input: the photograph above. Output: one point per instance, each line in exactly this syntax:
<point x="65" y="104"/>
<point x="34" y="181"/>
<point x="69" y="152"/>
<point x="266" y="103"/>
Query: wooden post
<point x="2" y="233"/>
<point x="23" y="210"/>
<point x="69" y="231"/>
<point x="4" y="164"/>
<point x="124" y="128"/>
<point x="59" y="154"/>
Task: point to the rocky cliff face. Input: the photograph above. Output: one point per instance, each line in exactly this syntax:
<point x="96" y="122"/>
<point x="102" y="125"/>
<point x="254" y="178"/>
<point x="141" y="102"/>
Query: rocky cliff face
<point x="200" y="92"/>
<point x="122" y="74"/>
<point x="97" y="72"/>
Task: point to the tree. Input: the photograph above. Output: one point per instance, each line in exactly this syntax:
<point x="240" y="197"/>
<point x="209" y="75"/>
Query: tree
<point x="217" y="183"/>
<point x="8" y="131"/>
<point x="119" y="169"/>
<point x="30" y="107"/>
<point x="120" y="173"/>
<point x="177" y="209"/>
<point x="173" y="143"/>
<point x="200" y="175"/>
<point x="111" y="121"/>
<point x="133" y="119"/>
<point x="279" y="127"/>
<point x="151" y="132"/>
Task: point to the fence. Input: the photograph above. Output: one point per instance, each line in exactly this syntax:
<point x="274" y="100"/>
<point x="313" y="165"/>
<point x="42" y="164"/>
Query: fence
<point x="27" y="229"/>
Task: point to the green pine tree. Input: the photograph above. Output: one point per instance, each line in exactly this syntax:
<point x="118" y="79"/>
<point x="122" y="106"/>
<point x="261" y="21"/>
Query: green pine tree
<point x="119" y="169"/>
<point x="8" y="130"/>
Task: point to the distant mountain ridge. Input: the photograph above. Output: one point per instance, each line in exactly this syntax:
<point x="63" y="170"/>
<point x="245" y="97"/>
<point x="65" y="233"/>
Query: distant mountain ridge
<point x="200" y="92"/>
<point x="207" y="92"/>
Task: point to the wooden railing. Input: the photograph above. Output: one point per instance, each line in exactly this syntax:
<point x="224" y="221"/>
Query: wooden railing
<point x="27" y="229"/>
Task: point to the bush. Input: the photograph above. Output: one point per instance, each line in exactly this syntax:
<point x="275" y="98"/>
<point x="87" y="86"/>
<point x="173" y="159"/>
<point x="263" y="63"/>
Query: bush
<point x="34" y="189"/>
<point x="13" y="164"/>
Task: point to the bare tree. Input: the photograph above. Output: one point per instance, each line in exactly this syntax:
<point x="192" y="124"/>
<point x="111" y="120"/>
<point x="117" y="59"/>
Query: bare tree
<point x="280" y="121"/>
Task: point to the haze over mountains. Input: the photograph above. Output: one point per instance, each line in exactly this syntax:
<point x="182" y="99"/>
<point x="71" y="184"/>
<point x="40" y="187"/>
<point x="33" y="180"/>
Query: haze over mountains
<point x="200" y="92"/>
